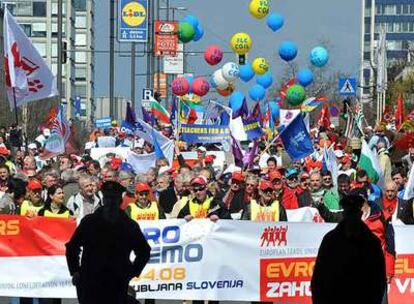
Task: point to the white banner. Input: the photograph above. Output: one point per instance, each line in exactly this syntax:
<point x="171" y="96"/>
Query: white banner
<point x="227" y="260"/>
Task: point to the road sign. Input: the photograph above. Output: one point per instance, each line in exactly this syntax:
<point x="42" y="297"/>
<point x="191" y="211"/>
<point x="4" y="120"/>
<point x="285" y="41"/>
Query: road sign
<point x="147" y="94"/>
<point x="133" y="21"/>
<point x="347" y="86"/>
<point x="105" y="122"/>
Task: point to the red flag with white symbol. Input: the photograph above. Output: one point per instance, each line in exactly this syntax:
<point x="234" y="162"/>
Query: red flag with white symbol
<point x="28" y="78"/>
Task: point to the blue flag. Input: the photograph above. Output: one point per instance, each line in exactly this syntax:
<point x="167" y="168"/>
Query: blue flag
<point x="174" y="113"/>
<point x="296" y="139"/>
<point x="130" y="116"/>
<point x="157" y="149"/>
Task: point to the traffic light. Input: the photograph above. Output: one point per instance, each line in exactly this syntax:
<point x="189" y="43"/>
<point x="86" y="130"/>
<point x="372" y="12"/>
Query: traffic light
<point x="64" y="51"/>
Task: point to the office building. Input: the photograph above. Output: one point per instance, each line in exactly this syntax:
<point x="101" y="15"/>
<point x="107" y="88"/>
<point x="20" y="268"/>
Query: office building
<point x="397" y="18"/>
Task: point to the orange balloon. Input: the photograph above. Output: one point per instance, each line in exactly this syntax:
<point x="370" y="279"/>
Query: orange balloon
<point x="226" y="92"/>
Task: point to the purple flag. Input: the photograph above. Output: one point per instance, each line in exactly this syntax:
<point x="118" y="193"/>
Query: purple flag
<point x="147" y="117"/>
<point x="248" y="158"/>
<point x="237" y="152"/>
<point x="130" y="116"/>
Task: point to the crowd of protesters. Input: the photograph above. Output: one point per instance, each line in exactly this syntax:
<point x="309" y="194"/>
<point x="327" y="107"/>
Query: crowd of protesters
<point x="68" y="186"/>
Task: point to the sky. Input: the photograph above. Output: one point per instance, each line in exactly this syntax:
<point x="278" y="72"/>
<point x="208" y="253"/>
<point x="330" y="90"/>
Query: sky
<point x="308" y="23"/>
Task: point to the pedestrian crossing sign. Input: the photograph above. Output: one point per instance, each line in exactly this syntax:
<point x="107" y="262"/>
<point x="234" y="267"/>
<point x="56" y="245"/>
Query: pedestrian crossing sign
<point x="347" y="86"/>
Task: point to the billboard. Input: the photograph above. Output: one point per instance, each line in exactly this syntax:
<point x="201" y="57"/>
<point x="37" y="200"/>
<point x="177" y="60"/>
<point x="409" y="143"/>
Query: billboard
<point x="133" y="21"/>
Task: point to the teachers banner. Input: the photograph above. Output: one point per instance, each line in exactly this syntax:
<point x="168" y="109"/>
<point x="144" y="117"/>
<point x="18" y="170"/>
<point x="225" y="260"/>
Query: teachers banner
<point x="227" y="260"/>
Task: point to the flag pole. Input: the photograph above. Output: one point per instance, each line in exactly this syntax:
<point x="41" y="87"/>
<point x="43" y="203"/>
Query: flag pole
<point x="15" y="107"/>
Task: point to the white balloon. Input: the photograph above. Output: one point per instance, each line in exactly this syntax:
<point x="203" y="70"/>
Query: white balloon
<point x="219" y="80"/>
<point x="230" y="71"/>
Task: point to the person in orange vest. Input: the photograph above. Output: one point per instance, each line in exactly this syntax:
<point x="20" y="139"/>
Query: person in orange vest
<point x="31" y="206"/>
<point x="145" y="208"/>
<point x="266" y="208"/>
<point x="54" y="205"/>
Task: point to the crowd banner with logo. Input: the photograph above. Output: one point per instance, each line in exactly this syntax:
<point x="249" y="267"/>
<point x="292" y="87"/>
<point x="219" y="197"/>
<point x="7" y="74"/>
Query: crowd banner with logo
<point x="133" y="21"/>
<point x="166" y="38"/>
<point x="227" y="260"/>
<point x="206" y="134"/>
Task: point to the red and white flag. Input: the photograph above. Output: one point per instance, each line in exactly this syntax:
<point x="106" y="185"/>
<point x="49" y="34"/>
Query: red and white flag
<point x="28" y="78"/>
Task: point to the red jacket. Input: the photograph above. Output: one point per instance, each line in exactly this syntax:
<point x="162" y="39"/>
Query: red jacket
<point x="289" y="199"/>
<point x="389" y="207"/>
<point x="383" y="231"/>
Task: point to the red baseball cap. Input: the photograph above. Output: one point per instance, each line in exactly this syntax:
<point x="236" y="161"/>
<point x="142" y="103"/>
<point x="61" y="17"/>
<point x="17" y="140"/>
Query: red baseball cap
<point x="275" y="174"/>
<point x="264" y="185"/>
<point x="238" y="176"/>
<point x="141" y="187"/>
<point x="34" y="184"/>
<point x="199" y="180"/>
<point x="4" y="151"/>
<point x="116" y="163"/>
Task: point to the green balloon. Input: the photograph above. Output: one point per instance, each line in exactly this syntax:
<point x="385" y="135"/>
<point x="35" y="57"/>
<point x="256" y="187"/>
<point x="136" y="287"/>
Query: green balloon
<point x="295" y="95"/>
<point x="186" y="32"/>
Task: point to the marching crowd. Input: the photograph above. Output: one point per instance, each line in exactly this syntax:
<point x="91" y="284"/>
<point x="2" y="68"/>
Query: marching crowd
<point x="68" y="186"/>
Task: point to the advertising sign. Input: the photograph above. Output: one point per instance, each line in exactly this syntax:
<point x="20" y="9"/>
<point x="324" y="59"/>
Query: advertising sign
<point x="133" y="21"/>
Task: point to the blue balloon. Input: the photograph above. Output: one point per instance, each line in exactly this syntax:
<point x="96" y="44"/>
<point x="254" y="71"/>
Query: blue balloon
<point x="275" y="110"/>
<point x="190" y="81"/>
<point x="257" y="92"/>
<point x="246" y="72"/>
<point x="236" y="100"/>
<point x="319" y="56"/>
<point x="288" y="51"/>
<point x="193" y="20"/>
<point x="265" y="80"/>
<point x="275" y="21"/>
<point x="199" y="32"/>
<point x="305" y="77"/>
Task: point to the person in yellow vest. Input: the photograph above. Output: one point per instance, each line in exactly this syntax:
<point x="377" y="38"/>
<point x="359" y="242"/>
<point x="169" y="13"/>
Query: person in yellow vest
<point x="31" y="206"/>
<point x="144" y="208"/>
<point x="200" y="205"/>
<point x="54" y="205"/>
<point x="266" y="208"/>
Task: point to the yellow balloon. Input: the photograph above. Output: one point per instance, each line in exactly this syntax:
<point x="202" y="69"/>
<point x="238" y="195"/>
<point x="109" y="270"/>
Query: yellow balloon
<point x="241" y="43"/>
<point x="260" y="66"/>
<point x="259" y="8"/>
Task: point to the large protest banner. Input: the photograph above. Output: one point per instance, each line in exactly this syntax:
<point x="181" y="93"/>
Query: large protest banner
<point x="227" y="260"/>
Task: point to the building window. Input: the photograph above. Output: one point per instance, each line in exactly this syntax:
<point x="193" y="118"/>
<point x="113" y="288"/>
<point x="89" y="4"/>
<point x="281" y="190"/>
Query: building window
<point x="41" y="48"/>
<point x="394" y="45"/>
<point x="389" y="10"/>
<point x="80" y="40"/>
<point x="406" y="9"/>
<point x="39" y="29"/>
<point x="80" y="74"/>
<point x="80" y="57"/>
<point x="24" y="9"/>
<point x="39" y="9"/>
<point x="80" y="90"/>
<point x="79" y="5"/>
<point x="27" y="28"/>
<point x="80" y="22"/>
<point x="412" y="9"/>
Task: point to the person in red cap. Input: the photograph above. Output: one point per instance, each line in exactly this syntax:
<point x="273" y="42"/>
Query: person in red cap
<point x="144" y="208"/>
<point x="282" y="193"/>
<point x="31" y="206"/>
<point x="266" y="209"/>
<point x="200" y="205"/>
<point x="346" y="167"/>
<point x="234" y="198"/>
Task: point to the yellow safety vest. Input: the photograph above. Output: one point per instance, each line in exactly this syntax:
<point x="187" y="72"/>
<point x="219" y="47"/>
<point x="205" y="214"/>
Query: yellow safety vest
<point x="200" y="211"/>
<point x="65" y="214"/>
<point x="150" y="213"/>
<point x="260" y="213"/>
<point x="28" y="209"/>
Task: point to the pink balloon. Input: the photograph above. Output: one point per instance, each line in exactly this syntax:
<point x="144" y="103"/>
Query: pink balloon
<point x="200" y="86"/>
<point x="180" y="86"/>
<point x="213" y="54"/>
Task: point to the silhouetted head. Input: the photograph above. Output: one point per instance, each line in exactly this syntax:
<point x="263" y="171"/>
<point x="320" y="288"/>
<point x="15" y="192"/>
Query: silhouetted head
<point x="353" y="202"/>
<point x="112" y="193"/>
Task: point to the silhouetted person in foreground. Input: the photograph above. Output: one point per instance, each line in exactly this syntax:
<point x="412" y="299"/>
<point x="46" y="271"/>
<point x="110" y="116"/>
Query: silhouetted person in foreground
<point x="350" y="266"/>
<point x="107" y="238"/>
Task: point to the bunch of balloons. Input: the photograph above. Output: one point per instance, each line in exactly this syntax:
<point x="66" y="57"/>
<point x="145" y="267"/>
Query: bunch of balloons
<point x="190" y="29"/>
<point x="225" y="77"/>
